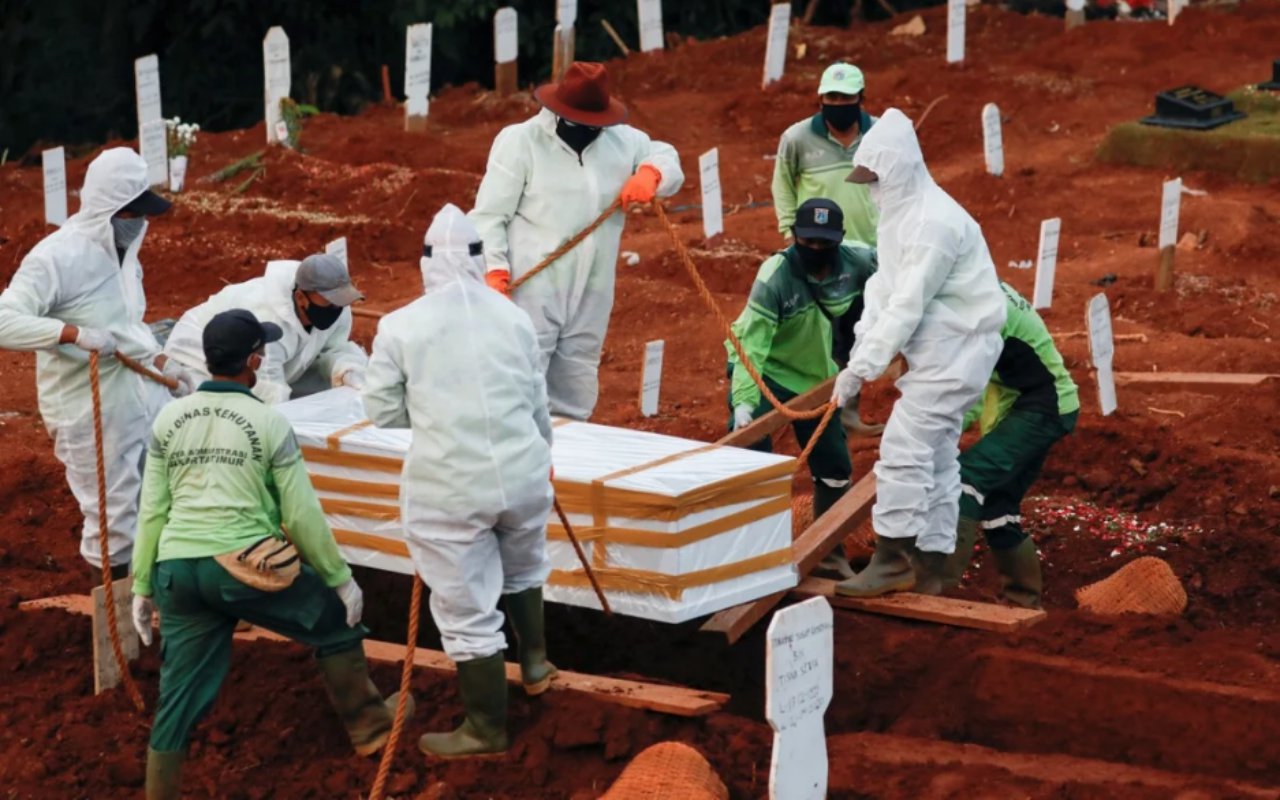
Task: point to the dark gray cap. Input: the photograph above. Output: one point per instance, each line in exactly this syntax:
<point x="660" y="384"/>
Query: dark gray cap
<point x="235" y="334"/>
<point x="327" y="276"/>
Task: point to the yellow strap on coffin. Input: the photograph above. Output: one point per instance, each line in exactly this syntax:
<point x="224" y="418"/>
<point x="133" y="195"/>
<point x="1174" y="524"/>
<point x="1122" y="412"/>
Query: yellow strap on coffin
<point x="334" y="440"/>
<point x="640" y="581"/>
<point x="637" y="537"/>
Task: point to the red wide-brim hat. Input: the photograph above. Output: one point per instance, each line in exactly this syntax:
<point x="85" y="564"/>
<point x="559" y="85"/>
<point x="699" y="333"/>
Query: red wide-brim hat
<point x="582" y="96"/>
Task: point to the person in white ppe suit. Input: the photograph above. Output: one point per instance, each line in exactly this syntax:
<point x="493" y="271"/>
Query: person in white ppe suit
<point x="310" y="301"/>
<point x="79" y="291"/>
<point x="547" y="179"/>
<point x="936" y="300"/>
<point x="460" y="367"/>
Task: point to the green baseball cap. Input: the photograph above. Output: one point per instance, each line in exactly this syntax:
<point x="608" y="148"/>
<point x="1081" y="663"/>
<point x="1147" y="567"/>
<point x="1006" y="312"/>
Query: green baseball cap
<point x="842" y="78"/>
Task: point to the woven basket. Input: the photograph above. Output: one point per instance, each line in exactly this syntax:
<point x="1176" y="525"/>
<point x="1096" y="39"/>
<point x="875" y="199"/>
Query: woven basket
<point x="1146" y="585"/>
<point x="668" y="771"/>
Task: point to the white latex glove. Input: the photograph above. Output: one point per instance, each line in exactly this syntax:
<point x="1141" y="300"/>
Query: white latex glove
<point x="743" y="415"/>
<point x="351" y="596"/>
<point x="352" y="378"/>
<point x="847" y="387"/>
<point x="94" y="340"/>
<point x="175" y="371"/>
<point x="143" y="608"/>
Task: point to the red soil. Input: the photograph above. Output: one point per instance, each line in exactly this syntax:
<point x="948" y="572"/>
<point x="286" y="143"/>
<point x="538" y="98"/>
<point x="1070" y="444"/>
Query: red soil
<point x="1211" y="470"/>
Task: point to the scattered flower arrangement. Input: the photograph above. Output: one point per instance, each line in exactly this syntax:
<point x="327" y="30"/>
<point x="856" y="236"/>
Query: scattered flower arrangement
<point x="181" y="138"/>
<point x="1124" y="531"/>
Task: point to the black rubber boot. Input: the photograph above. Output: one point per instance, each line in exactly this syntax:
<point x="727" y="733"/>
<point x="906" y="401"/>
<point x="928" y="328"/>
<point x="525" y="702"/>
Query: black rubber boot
<point x="164" y="774"/>
<point x="1021" y="582"/>
<point x="929" y="567"/>
<point x="890" y="570"/>
<point x="365" y="715"/>
<point x="835" y="565"/>
<point x="524" y="609"/>
<point x="956" y="564"/>
<point x="482" y="684"/>
<point x="119" y="571"/>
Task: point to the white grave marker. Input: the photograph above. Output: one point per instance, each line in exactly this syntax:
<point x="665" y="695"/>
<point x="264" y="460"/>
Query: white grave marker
<point x="146" y="81"/>
<point x="417" y="69"/>
<point x="1174" y="7"/>
<point x="798" y="679"/>
<point x="566" y="13"/>
<point x="956" y="11"/>
<point x="275" y="62"/>
<point x="775" y="51"/>
<point x="153" y="146"/>
<point x="54" y="164"/>
<point x="1170" y="204"/>
<point x="649" y="13"/>
<point x="505" y="35"/>
<point x="712" y="203"/>
<point x="992" y="139"/>
<point x="651" y="378"/>
<point x="1102" y="348"/>
<point x="1046" y="262"/>
<point x="338" y="247"/>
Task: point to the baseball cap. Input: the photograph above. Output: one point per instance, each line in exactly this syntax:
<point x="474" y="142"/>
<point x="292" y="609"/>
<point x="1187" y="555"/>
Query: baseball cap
<point x="236" y="334"/>
<point x="842" y="78"/>
<point x="327" y="276"/>
<point x="820" y="218"/>
<point x="148" y="204"/>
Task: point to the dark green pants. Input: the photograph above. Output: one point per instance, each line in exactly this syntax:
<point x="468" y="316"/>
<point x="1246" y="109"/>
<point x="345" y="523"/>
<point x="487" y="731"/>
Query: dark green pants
<point x="997" y="472"/>
<point x="829" y="460"/>
<point x="199" y="605"/>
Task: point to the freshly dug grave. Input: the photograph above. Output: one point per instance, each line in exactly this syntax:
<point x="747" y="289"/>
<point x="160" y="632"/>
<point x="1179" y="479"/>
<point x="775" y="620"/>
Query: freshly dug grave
<point x="1196" y="473"/>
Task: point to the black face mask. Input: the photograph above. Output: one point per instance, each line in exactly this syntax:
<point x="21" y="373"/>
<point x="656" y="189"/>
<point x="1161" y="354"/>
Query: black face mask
<point x="814" y="260"/>
<point x="322" y="317"/>
<point x="842" y="118"/>
<point x="576" y="136"/>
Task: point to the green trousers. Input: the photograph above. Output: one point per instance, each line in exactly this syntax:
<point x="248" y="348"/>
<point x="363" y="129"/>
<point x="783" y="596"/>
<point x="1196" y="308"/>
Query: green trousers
<point x="829" y="460"/>
<point x="997" y="472"/>
<point x="199" y="605"/>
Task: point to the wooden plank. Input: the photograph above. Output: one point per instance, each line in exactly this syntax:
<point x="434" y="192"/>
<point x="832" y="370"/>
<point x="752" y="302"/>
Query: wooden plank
<point x="942" y="610"/>
<point x="106" y="673"/>
<point x="678" y="701"/>
<point x="369" y="313"/>
<point x="811" y="547"/>
<point x="1195" y="378"/>
<point x="772" y="422"/>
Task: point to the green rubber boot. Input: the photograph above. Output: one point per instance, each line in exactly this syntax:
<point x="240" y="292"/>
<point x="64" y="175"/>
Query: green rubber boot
<point x="890" y="570"/>
<point x="524" y="609"/>
<point x="929" y="567"/>
<point x="958" y="562"/>
<point x="1021" y="582"/>
<point x="164" y="774"/>
<point x="482" y="684"/>
<point x="365" y="715"/>
<point x="835" y="565"/>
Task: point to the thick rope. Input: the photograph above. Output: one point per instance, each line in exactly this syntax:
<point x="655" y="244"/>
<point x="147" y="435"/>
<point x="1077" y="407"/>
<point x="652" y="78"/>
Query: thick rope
<point x="146" y="372"/>
<point x="568" y="245"/>
<point x="586" y="565"/>
<point x="402" y="705"/>
<point x="107" y="584"/>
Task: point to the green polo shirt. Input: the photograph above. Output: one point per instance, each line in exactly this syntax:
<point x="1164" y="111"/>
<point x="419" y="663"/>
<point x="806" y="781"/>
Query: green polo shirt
<point x="811" y="163"/>
<point x="784" y="333"/>
<point x="223" y="471"/>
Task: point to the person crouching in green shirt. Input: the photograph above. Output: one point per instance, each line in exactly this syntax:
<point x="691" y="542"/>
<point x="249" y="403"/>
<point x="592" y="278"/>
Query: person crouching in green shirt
<point x="1030" y="403"/>
<point x="223" y="473"/>
<point x="800" y="296"/>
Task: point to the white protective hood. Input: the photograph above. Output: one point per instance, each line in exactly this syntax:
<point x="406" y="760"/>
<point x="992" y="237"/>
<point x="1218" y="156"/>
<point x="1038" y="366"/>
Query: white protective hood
<point x="452" y="237"/>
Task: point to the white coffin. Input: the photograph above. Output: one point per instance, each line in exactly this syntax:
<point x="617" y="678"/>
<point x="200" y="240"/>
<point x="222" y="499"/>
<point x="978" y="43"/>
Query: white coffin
<point x="675" y="529"/>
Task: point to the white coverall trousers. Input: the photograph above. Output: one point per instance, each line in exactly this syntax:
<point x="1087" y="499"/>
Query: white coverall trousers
<point x="468" y="564"/>
<point x="918" y="473"/>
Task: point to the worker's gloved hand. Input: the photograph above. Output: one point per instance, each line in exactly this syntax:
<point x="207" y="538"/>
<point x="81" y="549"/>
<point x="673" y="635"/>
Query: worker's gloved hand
<point x="351" y="596"/>
<point x="499" y="280"/>
<point x="742" y="415"/>
<point x="847" y="387"/>
<point x="641" y="187"/>
<point x="352" y="379"/>
<point x="143" y="609"/>
<point x="93" y="340"/>
<point x="176" y="372"/>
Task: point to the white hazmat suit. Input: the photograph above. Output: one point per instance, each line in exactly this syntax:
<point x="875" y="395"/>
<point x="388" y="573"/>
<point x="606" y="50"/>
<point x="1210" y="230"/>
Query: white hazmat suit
<point x="935" y="299"/>
<point x="537" y="194"/>
<point x="75" y="276"/>
<point x="459" y="366"/>
<point x="301" y="363"/>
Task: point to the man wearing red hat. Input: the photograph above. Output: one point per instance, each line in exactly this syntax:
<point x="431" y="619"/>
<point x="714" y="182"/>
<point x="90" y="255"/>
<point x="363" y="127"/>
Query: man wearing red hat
<point x="548" y="178"/>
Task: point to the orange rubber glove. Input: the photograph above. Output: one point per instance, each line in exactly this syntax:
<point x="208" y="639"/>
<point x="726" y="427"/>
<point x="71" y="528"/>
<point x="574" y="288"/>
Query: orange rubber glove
<point x="641" y="187"/>
<point x="499" y="280"/>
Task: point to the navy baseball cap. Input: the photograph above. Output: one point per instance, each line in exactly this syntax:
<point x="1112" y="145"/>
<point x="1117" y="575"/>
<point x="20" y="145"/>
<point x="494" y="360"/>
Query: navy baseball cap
<point x="235" y="335"/>
<point x="820" y="218"/>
